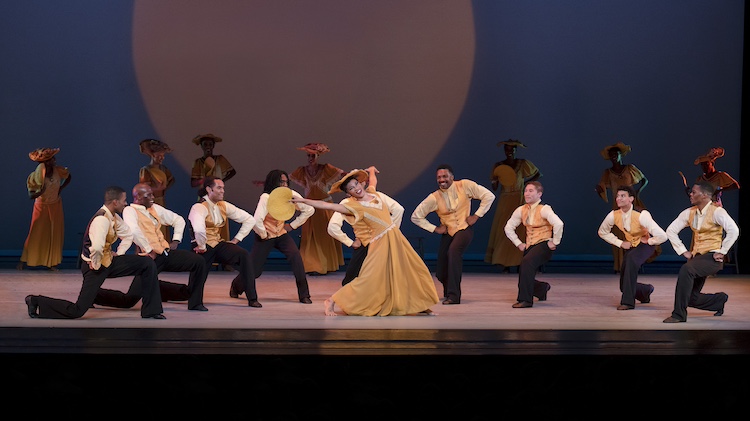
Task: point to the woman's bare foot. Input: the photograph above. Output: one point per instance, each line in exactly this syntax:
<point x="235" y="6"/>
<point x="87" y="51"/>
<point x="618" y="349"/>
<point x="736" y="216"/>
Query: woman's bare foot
<point x="329" y="303"/>
<point x="53" y="269"/>
<point x="428" y="312"/>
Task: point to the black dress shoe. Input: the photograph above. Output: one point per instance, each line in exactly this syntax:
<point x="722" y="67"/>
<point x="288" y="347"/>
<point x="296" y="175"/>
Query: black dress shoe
<point x="233" y="293"/>
<point x="625" y="307"/>
<point x="543" y="296"/>
<point x="254" y="303"/>
<point x="671" y="319"/>
<point x="199" y="307"/>
<point x="647" y="298"/>
<point x="720" y="312"/>
<point x="156" y="316"/>
<point x="523" y="304"/>
<point x="305" y="300"/>
<point x="449" y="301"/>
<point x="32" y="306"/>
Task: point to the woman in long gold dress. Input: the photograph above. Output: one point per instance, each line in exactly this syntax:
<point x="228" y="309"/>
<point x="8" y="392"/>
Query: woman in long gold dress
<point x="500" y="250"/>
<point x="393" y="280"/>
<point x="156" y="174"/>
<point x="44" y="243"/>
<point x="321" y="253"/>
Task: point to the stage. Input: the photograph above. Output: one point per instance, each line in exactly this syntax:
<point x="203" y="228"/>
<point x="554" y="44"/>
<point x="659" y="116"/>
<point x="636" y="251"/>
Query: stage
<point x="481" y="351"/>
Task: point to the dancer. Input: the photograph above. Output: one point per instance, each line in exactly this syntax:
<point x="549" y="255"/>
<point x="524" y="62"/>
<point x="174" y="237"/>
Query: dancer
<point x="145" y="219"/>
<point x="706" y="256"/>
<point x="511" y="176"/>
<point x="544" y="230"/>
<point x="272" y="233"/>
<point x="156" y="174"/>
<point x="360" y="246"/>
<point x="393" y="280"/>
<point x="642" y="235"/>
<point x="320" y="253"/>
<point x="452" y="203"/>
<point x="210" y="165"/>
<point x="617" y="175"/>
<point x="44" y="243"/>
<point x="721" y="181"/>
<point x="105" y="227"/>
<point x="207" y="218"/>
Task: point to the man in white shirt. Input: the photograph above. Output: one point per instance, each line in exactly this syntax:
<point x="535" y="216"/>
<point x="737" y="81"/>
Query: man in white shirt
<point x="706" y="256"/>
<point x="271" y="233"/>
<point x="642" y="236"/>
<point x="544" y="231"/>
<point x="146" y="219"/>
<point x="207" y="219"/>
<point x="100" y="263"/>
<point x="452" y="203"/>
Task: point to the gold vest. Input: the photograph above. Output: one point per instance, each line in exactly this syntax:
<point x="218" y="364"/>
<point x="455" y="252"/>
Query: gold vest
<point x="213" y="231"/>
<point x="709" y="235"/>
<point x="538" y="229"/>
<point x="274" y="227"/>
<point x="636" y="230"/>
<point x="152" y="232"/>
<point x="454" y="216"/>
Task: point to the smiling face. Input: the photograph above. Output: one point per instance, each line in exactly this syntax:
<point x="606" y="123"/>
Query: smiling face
<point x="143" y="195"/>
<point x="216" y="192"/>
<point x="355" y="189"/>
<point x="444" y="178"/>
<point x="208" y="147"/>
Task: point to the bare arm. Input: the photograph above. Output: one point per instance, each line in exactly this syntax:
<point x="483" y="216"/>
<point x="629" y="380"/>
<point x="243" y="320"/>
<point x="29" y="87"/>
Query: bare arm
<point x="319" y="204"/>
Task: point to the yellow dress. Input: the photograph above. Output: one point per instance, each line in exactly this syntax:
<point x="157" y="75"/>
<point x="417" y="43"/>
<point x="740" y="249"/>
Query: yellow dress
<point x="500" y="250"/>
<point x="44" y="244"/>
<point x="320" y="252"/>
<point x="394" y="280"/>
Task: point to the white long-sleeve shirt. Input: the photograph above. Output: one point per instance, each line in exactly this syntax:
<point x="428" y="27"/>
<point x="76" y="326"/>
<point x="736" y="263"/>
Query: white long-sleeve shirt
<point x="166" y="216"/>
<point x="721" y="217"/>
<point x="546" y="213"/>
<point x="199" y="213"/>
<point x="98" y="230"/>
<point x="306" y="211"/>
<point x="658" y="235"/>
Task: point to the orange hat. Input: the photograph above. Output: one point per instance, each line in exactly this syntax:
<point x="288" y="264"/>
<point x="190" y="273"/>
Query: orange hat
<point x="151" y="146"/>
<point x="511" y="142"/>
<point x="624" y="150"/>
<point x="316" y="148"/>
<point x="361" y="176"/>
<point x="711" y="155"/>
<point x="43" y="154"/>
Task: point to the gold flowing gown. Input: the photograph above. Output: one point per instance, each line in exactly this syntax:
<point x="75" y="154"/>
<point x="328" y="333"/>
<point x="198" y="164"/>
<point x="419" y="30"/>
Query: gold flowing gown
<point x="394" y="280"/>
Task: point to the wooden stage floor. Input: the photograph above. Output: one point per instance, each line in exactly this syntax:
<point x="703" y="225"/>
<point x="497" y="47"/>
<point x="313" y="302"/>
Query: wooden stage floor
<point x="479" y="356"/>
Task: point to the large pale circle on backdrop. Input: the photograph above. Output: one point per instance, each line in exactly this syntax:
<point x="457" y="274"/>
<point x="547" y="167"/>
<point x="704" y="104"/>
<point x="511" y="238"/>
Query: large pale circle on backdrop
<point x="380" y="82"/>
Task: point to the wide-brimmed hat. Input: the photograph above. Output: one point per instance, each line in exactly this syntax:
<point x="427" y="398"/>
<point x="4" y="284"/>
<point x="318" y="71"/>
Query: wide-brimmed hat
<point x="43" y="154"/>
<point x="623" y="148"/>
<point x="361" y="176"/>
<point x="511" y="142"/>
<point x="316" y="148"/>
<point x="279" y="206"/>
<point x="152" y="146"/>
<point x="197" y="139"/>
<point x="711" y="155"/>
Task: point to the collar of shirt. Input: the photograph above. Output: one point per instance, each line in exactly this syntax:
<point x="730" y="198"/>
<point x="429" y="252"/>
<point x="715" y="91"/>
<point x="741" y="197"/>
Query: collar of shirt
<point x="451" y="196"/>
<point x="214" y="210"/>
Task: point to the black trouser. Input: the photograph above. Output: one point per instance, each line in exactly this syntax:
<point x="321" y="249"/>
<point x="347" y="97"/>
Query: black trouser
<point x="534" y="257"/>
<point x="632" y="260"/>
<point x="174" y="261"/>
<point x="690" y="282"/>
<point x="450" y="262"/>
<point x="259" y="254"/>
<point x="355" y="264"/>
<point x="231" y="254"/>
<point x="125" y="265"/>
